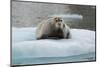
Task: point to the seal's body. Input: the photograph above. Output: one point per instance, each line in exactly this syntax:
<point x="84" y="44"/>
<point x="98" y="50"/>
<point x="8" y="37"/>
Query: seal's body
<point x="53" y="28"/>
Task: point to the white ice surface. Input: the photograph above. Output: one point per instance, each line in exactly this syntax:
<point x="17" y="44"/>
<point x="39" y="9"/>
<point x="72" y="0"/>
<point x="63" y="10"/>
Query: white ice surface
<point x="69" y="16"/>
<point x="24" y="44"/>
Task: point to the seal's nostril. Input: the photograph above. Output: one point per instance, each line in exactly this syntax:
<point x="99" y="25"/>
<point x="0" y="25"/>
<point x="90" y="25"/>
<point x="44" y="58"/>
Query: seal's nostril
<point x="59" y="24"/>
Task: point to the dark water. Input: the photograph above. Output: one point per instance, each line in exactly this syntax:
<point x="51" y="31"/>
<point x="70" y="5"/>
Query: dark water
<point x="29" y="14"/>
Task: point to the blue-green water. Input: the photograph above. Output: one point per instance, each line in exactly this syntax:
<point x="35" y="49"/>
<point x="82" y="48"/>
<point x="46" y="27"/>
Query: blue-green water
<point x="44" y="60"/>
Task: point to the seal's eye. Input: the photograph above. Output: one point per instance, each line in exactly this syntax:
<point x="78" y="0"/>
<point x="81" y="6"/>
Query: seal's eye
<point x="60" y="20"/>
<point x="56" y="20"/>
